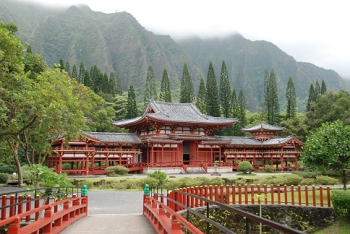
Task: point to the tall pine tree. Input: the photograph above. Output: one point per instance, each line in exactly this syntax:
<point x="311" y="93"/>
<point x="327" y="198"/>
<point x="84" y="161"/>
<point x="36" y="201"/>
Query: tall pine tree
<point x="81" y="74"/>
<point x="165" y="92"/>
<point x="112" y="89"/>
<point x="323" y="87"/>
<point x="67" y="68"/>
<point x="201" y="97"/>
<point x="119" y="90"/>
<point x="312" y="97"/>
<point x="212" y="97"/>
<point x="317" y="88"/>
<point x="241" y="109"/>
<point x="132" y="111"/>
<point x="225" y="91"/>
<point x="186" y="90"/>
<point x="150" y="91"/>
<point x="291" y="99"/>
<point x="75" y="72"/>
<point x="271" y="108"/>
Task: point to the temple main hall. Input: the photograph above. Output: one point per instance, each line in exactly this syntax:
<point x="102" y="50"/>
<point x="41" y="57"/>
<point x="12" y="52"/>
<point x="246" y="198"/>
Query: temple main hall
<point x="175" y="138"/>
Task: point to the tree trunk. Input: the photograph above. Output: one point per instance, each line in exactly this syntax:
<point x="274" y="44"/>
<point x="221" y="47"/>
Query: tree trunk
<point x="343" y="173"/>
<point x="14" y="144"/>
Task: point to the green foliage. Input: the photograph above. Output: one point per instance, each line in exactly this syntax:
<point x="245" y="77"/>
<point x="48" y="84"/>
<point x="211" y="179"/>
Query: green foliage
<point x="341" y="202"/>
<point x="152" y="182"/>
<point x="7" y="169"/>
<point x="165" y="92"/>
<point x="291" y="99"/>
<point x="225" y="91"/>
<point x="271" y="103"/>
<point x="42" y="176"/>
<point x="328" y="148"/>
<point x="212" y="97"/>
<point x="160" y="176"/>
<point x="186" y="91"/>
<point x="151" y="89"/>
<point x="289" y="179"/>
<point x="245" y="167"/>
<point x="132" y="111"/>
<point x="120" y="170"/>
<point x="201" y="97"/>
<point x="326" y="180"/>
<point x="3" y="178"/>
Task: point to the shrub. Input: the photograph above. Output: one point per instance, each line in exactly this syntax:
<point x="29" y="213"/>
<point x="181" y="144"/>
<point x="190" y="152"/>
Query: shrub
<point x="307" y="181"/>
<point x="158" y="175"/>
<point x="152" y="182"/>
<point x="245" y="167"/>
<point x="3" y="178"/>
<point x="8" y="169"/>
<point x="268" y="168"/>
<point x="325" y="180"/>
<point x="120" y="170"/>
<point x="341" y="202"/>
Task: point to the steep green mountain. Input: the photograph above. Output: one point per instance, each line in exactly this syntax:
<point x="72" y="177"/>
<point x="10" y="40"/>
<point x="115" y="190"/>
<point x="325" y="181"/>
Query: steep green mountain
<point x="118" y="43"/>
<point x="247" y="60"/>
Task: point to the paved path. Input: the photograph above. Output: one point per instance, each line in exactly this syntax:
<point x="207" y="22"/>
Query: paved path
<point x="113" y="212"/>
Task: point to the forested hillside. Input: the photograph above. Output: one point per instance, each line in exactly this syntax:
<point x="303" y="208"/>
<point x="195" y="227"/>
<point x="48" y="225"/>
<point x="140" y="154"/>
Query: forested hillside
<point x="118" y="43"/>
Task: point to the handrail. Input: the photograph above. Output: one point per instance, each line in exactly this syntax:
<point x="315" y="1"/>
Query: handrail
<point x="248" y="215"/>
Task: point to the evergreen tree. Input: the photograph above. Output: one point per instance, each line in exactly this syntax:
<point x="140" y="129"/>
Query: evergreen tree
<point x="105" y="83"/>
<point x="311" y="98"/>
<point x="317" y="89"/>
<point x="323" y="87"/>
<point x="212" y="97"/>
<point x="201" y="97"/>
<point x="291" y="99"/>
<point x="119" y="89"/>
<point x="75" y="72"/>
<point x="165" y="92"/>
<point x="81" y="74"/>
<point x="61" y="64"/>
<point x="67" y="68"/>
<point x="225" y="91"/>
<point x="234" y="104"/>
<point x="87" y="79"/>
<point x="241" y="107"/>
<point x="186" y="91"/>
<point x="112" y="85"/>
<point x="271" y="97"/>
<point x="150" y="91"/>
<point x="132" y="111"/>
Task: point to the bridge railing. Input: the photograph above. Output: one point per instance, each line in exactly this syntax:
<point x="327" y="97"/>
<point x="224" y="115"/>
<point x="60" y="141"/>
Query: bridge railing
<point x="23" y="213"/>
<point x="161" y="211"/>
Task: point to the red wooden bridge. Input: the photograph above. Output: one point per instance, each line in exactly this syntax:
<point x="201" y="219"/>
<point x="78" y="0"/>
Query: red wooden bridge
<point x="22" y="213"/>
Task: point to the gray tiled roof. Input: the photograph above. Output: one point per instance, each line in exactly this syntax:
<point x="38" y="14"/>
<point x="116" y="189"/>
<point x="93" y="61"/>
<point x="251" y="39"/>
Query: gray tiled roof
<point x="114" y="137"/>
<point x="236" y="140"/>
<point x="177" y="112"/>
<point x="263" y="126"/>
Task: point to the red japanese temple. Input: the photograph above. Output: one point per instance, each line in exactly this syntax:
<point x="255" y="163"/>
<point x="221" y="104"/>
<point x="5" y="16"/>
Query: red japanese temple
<point x="175" y="138"/>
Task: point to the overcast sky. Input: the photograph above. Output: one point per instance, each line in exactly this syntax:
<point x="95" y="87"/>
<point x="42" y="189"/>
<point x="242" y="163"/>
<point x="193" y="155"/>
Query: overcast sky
<point x="314" y="31"/>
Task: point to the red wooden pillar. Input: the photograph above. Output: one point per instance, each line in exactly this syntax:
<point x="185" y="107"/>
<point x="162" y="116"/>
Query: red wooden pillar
<point x="60" y="163"/>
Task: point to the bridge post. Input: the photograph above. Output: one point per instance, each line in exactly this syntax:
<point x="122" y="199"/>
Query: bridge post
<point x="84" y="193"/>
<point x="145" y="196"/>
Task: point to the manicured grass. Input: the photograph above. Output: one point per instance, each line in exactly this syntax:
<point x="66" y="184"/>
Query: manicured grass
<point x="340" y="226"/>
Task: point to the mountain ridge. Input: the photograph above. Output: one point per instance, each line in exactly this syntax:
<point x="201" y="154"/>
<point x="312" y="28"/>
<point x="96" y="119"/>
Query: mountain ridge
<point x="117" y="43"/>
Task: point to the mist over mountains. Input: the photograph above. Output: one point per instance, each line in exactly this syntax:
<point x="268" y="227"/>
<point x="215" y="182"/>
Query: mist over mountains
<point x="118" y="43"/>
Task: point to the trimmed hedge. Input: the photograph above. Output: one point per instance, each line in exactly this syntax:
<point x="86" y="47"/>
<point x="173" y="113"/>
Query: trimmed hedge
<point x="341" y="202"/>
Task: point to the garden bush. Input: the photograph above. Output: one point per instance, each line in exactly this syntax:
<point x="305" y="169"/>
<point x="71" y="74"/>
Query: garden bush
<point x="120" y="170"/>
<point x="341" y="202"/>
<point x="152" y="182"/>
<point x="3" y="178"/>
<point x="308" y="181"/>
<point x="326" y="180"/>
<point x="158" y="175"/>
<point x="8" y="169"/>
<point x="245" y="167"/>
